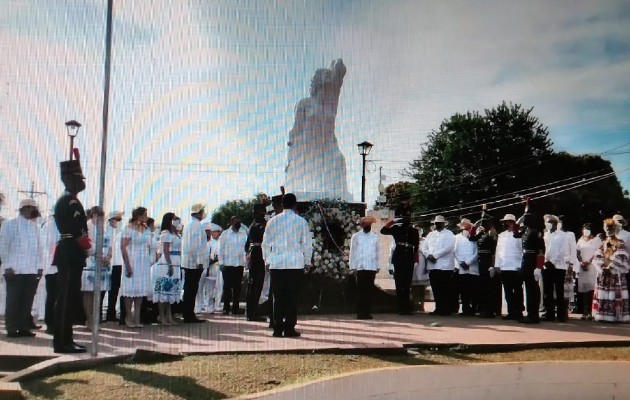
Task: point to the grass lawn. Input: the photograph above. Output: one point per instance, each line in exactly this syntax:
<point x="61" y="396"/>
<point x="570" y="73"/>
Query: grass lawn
<point x="224" y="376"/>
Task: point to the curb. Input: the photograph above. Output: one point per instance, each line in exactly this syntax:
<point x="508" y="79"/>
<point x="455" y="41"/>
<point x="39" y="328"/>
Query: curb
<point x="500" y="348"/>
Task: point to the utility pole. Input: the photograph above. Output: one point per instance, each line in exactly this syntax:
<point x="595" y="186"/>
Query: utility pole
<point x="31" y="193"/>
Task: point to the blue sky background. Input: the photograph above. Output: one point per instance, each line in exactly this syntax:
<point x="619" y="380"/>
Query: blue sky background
<point x="203" y="92"/>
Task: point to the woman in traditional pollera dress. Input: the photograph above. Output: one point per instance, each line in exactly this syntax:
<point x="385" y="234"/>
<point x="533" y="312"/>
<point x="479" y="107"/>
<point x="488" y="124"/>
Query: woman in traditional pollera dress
<point x="610" y="302"/>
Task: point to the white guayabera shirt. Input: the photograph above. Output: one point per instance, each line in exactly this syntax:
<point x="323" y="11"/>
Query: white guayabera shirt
<point x="364" y="251"/>
<point x="509" y="252"/>
<point x="287" y="242"/>
<point x="194" y="242"/>
<point x="20" y="246"/>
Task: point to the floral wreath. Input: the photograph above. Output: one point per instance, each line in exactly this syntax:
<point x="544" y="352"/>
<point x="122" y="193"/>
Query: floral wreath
<point x="332" y="223"/>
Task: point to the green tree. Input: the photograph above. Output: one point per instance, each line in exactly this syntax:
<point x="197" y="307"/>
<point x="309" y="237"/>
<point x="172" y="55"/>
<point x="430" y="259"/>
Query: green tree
<point x="242" y="209"/>
<point x="397" y="192"/>
<point x="502" y="152"/>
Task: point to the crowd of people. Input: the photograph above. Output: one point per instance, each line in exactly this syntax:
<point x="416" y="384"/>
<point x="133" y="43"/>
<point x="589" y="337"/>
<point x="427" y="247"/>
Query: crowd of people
<point x="469" y="268"/>
<point x="150" y="273"/>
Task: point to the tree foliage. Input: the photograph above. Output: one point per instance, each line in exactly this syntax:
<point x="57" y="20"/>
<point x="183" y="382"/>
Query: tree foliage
<point x="239" y="208"/>
<point x="397" y="192"/>
<point x="503" y="152"/>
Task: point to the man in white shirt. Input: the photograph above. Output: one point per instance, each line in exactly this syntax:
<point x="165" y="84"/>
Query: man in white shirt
<point x="622" y="234"/>
<point x="466" y="261"/>
<point x="364" y="256"/>
<point x="288" y="249"/>
<point x="21" y="254"/>
<point x="557" y="259"/>
<point x="211" y="283"/>
<point x="112" y="229"/>
<point x="508" y="259"/>
<point x="194" y="253"/>
<point x="439" y="248"/>
<point x="49" y="235"/>
<point x="232" y="263"/>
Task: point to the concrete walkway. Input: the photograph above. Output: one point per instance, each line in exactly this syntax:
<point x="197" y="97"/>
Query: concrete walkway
<point x="518" y="381"/>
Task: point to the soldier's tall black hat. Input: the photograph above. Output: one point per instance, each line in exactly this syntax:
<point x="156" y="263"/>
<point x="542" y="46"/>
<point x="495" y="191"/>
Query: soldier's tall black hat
<point x="71" y="167"/>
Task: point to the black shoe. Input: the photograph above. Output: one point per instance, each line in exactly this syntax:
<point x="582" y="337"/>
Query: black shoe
<point x="35" y="327"/>
<point x="276" y="334"/>
<point x="70" y="349"/>
<point x="405" y="313"/>
<point x="292" y="334"/>
<point x="528" y="320"/>
<point x="194" y="321"/>
<point x="78" y="345"/>
<point x="50" y="331"/>
<point x="238" y="311"/>
<point x="549" y="318"/>
<point x="17" y="334"/>
<point x="364" y="316"/>
<point x="226" y="312"/>
<point x="257" y="319"/>
<point x="466" y="314"/>
<point x="486" y="314"/>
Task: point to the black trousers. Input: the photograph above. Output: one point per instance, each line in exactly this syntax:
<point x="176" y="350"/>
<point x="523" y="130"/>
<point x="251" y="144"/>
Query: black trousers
<point x="254" y="289"/>
<point x="365" y="288"/>
<point x="468" y="286"/>
<point x="232" y="280"/>
<point x="513" y="288"/>
<point x="403" y="274"/>
<point x="68" y="300"/>
<point x="587" y="302"/>
<point x="553" y="279"/>
<point x="442" y="287"/>
<point x="532" y="292"/>
<point x="191" y="286"/>
<point x="286" y="287"/>
<point x="490" y="296"/>
<point x="21" y="290"/>
<point x="51" y="297"/>
<point x="112" y="295"/>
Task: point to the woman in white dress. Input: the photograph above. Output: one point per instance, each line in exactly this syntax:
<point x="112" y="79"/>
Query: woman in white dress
<point x="88" y="275"/>
<point x="166" y="272"/>
<point x="587" y="246"/>
<point x="136" y="251"/>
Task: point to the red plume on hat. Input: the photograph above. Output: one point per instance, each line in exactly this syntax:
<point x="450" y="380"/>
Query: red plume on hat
<point x="76" y="154"/>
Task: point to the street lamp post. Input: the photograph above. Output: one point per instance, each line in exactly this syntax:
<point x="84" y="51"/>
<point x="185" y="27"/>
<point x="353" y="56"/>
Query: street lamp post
<point x="73" y="129"/>
<point x="364" y="150"/>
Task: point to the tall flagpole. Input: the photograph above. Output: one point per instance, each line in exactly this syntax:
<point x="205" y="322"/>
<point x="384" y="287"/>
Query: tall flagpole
<point x="96" y="320"/>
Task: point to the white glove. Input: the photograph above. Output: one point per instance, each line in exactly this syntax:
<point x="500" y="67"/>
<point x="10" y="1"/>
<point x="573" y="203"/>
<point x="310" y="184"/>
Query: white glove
<point x="492" y="271"/>
<point x="537" y="274"/>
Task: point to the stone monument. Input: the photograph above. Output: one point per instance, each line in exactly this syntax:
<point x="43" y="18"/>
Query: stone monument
<point x="316" y="169"/>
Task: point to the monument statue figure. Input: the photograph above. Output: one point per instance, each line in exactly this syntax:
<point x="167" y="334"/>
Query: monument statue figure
<point x="316" y="168"/>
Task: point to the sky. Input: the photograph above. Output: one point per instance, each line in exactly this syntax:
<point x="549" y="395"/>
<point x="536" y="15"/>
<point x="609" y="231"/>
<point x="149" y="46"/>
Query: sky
<point x="203" y="92"/>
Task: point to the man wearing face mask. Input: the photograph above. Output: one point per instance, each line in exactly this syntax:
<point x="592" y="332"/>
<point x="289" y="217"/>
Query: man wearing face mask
<point x="466" y="260"/>
<point x="364" y="256"/>
<point x="256" y="263"/>
<point x="440" y="252"/>
<point x="533" y="245"/>
<point x="21" y="253"/>
<point x="193" y="259"/>
<point x="622" y="234"/>
<point x="232" y="261"/>
<point x="508" y="261"/>
<point x="70" y="255"/>
<point x="112" y="229"/>
<point x="557" y="259"/>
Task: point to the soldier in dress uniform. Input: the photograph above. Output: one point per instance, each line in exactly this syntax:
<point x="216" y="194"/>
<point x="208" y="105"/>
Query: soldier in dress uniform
<point x="533" y="245"/>
<point x="70" y="255"/>
<point x="489" y="281"/>
<point x="405" y="255"/>
<point x="256" y="263"/>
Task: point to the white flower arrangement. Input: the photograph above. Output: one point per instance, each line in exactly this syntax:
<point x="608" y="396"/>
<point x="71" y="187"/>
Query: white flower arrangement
<point x="332" y="224"/>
